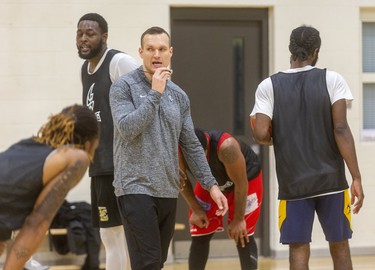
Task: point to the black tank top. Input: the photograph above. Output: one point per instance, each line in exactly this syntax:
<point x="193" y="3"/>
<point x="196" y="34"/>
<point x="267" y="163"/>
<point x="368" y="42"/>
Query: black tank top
<point x="218" y="168"/>
<point x="96" y="96"/>
<point x="21" y="181"/>
<point x="308" y="161"/>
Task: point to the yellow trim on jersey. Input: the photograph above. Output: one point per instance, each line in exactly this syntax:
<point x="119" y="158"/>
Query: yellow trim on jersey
<point x="282" y="212"/>
<point x="347" y="207"/>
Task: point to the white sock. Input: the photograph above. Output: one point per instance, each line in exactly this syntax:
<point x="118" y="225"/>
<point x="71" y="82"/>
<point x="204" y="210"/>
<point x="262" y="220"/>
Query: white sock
<point x="116" y="250"/>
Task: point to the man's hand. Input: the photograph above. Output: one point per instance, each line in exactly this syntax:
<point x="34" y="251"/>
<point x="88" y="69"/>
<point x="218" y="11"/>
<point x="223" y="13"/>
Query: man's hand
<point x="220" y="200"/>
<point x="199" y="218"/>
<point x="237" y="231"/>
<point x="357" y="195"/>
<point x="159" y="79"/>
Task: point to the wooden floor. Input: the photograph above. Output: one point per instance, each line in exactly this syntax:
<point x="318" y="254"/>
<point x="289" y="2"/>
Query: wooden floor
<point x="324" y="263"/>
<point x="359" y="263"/>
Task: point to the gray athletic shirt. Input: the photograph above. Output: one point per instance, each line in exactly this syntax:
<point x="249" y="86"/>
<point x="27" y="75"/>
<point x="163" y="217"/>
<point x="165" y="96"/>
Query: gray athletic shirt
<point x="148" y="128"/>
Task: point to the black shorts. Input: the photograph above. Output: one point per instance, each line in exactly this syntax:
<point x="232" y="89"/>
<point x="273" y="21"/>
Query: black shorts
<point x="104" y="207"/>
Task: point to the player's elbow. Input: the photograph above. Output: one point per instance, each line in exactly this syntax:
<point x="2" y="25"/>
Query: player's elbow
<point x="262" y="137"/>
<point x="341" y="130"/>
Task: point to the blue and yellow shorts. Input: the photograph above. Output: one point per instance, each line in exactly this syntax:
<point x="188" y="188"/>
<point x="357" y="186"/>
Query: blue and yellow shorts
<point x="334" y="212"/>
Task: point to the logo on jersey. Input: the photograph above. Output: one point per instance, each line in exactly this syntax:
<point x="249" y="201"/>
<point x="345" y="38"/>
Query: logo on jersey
<point x="90" y="102"/>
<point x="90" y="98"/>
<point x="228" y="184"/>
<point x="103" y="214"/>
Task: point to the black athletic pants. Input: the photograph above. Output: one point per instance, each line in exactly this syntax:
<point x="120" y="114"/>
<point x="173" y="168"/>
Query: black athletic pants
<point x="149" y="226"/>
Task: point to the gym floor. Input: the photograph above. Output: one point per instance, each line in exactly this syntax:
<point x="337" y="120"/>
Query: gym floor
<point x="321" y="263"/>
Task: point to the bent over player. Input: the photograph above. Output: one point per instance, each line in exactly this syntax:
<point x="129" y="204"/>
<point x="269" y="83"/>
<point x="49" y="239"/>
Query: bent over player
<point x="237" y="169"/>
<point x="37" y="173"/>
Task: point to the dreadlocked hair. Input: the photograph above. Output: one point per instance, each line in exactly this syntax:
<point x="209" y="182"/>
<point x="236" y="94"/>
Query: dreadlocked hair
<point x="303" y="41"/>
<point x="74" y="125"/>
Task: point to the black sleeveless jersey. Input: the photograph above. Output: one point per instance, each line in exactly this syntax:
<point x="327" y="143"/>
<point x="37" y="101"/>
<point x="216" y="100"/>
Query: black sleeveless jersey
<point x="217" y="167"/>
<point x="308" y="162"/>
<point x="21" y="181"/>
<point x="96" y="96"/>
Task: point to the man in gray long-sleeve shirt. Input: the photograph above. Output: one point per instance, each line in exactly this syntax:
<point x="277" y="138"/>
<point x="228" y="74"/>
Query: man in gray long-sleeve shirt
<point x="152" y="119"/>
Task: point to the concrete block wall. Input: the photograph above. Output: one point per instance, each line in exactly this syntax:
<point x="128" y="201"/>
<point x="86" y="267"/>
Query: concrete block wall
<point x="39" y="68"/>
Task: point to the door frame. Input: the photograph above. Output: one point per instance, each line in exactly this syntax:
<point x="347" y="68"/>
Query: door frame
<point x="261" y="16"/>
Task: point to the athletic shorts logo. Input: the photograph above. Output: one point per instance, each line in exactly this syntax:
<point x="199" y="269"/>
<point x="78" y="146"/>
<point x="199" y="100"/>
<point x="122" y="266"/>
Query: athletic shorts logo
<point x="103" y="214"/>
<point x="206" y="206"/>
<point x="251" y="203"/>
<point x="347" y="207"/>
<point x="282" y="212"/>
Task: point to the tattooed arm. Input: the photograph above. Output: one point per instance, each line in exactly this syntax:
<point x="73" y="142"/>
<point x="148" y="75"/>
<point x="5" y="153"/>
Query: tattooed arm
<point x="235" y="166"/>
<point x="63" y="169"/>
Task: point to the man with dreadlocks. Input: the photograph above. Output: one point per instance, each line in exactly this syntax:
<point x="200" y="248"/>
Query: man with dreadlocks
<point x="306" y="107"/>
<point x="37" y="173"/>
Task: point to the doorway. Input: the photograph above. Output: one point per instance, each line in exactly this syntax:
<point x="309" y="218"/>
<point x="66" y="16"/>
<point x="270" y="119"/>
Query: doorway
<point x="220" y="56"/>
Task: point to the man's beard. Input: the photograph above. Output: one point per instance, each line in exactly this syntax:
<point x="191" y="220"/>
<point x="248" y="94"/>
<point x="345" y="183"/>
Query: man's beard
<point x="93" y="52"/>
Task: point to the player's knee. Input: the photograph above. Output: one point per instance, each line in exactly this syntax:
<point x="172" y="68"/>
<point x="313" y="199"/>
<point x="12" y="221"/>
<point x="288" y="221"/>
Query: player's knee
<point x="248" y="254"/>
<point x="199" y="242"/>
